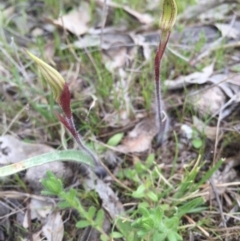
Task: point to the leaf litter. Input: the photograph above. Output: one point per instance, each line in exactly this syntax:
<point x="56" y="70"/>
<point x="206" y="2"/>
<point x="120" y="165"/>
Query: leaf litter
<point x="119" y="50"/>
<point x="77" y="21"/>
<point x="140" y="138"/>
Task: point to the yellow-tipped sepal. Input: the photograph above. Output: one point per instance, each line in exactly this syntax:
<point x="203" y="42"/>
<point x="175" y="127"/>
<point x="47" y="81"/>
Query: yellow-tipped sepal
<point x="51" y="76"/>
<point x="169" y="15"/>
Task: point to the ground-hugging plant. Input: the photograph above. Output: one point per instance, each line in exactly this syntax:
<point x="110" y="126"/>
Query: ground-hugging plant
<point x="69" y="199"/>
<point x="162" y="203"/>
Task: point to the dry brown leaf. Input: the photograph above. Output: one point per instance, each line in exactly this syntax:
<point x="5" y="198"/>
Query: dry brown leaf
<point x="228" y="31"/>
<point x="140" y="138"/>
<point x="4" y="209"/>
<point x="212" y="99"/>
<point x="230" y="84"/>
<point x="115" y="58"/>
<point x="36" y="236"/>
<point x="217" y="13"/>
<point x="109" y="40"/>
<point x="209" y="131"/>
<point x="121" y="92"/>
<point x="118" y="54"/>
<point x="187" y="131"/>
<point x="207" y="102"/>
<point x="140" y="40"/>
<point x="53" y="230"/>
<point x="76" y="21"/>
<point x="231" y="87"/>
<point x="40" y="209"/>
<point x="13" y="150"/>
<point x="88" y="41"/>
<point x="235" y="79"/>
<point x="110" y="201"/>
<point x="8" y="11"/>
<point x="34" y="175"/>
<point x="36" y="32"/>
<point x="194" y="78"/>
<point x="196" y="10"/>
<point x="117" y="119"/>
<point x="141" y="17"/>
<point x="118" y="48"/>
<point x="49" y="51"/>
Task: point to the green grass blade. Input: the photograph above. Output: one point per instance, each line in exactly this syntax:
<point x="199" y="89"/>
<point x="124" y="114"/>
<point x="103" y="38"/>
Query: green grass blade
<point x="210" y="172"/>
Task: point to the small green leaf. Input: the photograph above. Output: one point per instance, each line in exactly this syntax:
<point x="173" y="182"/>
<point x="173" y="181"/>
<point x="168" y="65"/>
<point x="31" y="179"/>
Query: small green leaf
<point x="123" y="226"/>
<point x="72" y="193"/>
<point x="151" y="195"/>
<point x="171" y="223"/>
<point x="52" y="184"/>
<point x="140" y="167"/>
<point x="143" y="211"/>
<point x="116" y="235"/>
<point x="159" y="236"/>
<point x="164" y="207"/>
<point x="140" y="192"/>
<point x="115" y="140"/>
<point x="131" y="236"/>
<point x="174" y="236"/>
<point x="150" y="159"/>
<point x="91" y="212"/>
<point x="64" y="204"/>
<point x="103" y="238"/>
<point x="82" y="224"/>
<point x="142" y="233"/>
<point x="159" y="214"/>
<point x="179" y="237"/>
<point x="100" y="217"/>
<point x="197" y="143"/>
<point x="148" y="223"/>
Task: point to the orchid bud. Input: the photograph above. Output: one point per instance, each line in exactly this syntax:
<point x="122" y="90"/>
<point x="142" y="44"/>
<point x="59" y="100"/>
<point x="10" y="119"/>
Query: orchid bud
<point x="167" y="20"/>
<point x="52" y="76"/>
<point x="169" y="15"/>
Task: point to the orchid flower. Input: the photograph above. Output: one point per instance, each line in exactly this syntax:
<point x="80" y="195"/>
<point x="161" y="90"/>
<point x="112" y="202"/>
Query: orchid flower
<point x="62" y="96"/>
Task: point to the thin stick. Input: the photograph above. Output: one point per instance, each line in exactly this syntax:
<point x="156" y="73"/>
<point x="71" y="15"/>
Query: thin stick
<point x="198" y="226"/>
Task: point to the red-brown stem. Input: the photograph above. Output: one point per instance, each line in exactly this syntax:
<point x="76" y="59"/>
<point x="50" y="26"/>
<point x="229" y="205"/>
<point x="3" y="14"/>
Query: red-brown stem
<point x="65" y="101"/>
<point x="69" y="124"/>
<point x="78" y="139"/>
<point x="67" y="121"/>
<point x="157" y="66"/>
